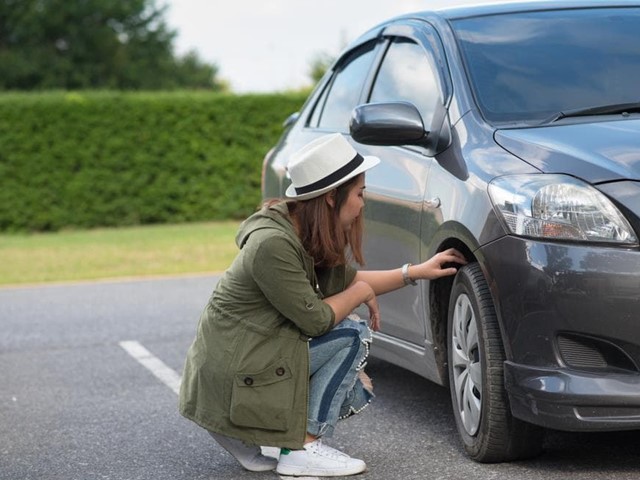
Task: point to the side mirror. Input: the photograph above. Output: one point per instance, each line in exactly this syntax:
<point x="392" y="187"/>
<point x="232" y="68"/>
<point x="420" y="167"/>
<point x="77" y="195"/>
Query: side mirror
<point x="291" y="119"/>
<point x="399" y="123"/>
<point x="394" y="123"/>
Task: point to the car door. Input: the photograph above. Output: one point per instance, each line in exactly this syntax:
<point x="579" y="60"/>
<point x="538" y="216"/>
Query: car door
<point x="409" y="71"/>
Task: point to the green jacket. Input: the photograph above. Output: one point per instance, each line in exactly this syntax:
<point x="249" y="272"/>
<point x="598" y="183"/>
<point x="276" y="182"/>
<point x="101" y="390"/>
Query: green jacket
<point x="247" y="372"/>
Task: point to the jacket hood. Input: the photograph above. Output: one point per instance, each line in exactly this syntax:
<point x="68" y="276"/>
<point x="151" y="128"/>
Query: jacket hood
<point x="276" y="216"/>
<point x="596" y="152"/>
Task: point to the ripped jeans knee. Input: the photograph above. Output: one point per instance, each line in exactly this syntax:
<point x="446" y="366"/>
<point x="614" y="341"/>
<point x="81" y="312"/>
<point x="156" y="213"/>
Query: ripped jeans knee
<point x="335" y="391"/>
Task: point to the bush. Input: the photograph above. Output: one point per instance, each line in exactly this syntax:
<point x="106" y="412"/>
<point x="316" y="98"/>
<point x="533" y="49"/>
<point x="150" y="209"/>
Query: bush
<point x="110" y="159"/>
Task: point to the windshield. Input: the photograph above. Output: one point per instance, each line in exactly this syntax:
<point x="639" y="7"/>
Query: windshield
<point x="528" y="67"/>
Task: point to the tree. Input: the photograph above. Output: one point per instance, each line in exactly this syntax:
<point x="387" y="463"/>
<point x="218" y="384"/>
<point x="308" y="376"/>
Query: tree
<point x="319" y="65"/>
<point x="123" y="44"/>
<point x="197" y="74"/>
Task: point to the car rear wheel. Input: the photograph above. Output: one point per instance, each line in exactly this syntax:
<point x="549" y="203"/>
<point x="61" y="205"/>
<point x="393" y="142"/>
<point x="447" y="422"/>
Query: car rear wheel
<point x="476" y="375"/>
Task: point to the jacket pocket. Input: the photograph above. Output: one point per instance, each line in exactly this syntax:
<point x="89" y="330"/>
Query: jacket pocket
<point x="263" y="399"/>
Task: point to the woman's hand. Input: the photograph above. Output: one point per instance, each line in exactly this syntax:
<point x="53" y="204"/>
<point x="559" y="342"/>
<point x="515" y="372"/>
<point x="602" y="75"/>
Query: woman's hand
<point x="356" y="294"/>
<point x="383" y="281"/>
<point x="374" y="313"/>
<point x="434" y="267"/>
<point x="371" y="301"/>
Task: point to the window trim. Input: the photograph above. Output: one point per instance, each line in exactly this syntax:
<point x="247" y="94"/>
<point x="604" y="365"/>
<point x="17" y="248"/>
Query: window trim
<point x="419" y="31"/>
<point x="423" y="33"/>
<point x="369" y="44"/>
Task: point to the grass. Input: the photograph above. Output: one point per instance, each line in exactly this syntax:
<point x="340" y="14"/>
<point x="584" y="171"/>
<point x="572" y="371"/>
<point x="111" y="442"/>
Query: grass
<point x="116" y="253"/>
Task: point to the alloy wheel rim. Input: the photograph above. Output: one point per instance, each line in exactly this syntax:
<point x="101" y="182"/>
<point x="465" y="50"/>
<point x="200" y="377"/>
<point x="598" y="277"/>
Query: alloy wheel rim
<point x="466" y="365"/>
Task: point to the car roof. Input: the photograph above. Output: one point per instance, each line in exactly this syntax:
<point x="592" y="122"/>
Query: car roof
<point x="447" y="14"/>
<point x="481" y="9"/>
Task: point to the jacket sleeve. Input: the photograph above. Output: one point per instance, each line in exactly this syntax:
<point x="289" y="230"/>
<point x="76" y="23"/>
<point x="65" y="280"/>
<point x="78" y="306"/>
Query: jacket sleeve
<point x="278" y="270"/>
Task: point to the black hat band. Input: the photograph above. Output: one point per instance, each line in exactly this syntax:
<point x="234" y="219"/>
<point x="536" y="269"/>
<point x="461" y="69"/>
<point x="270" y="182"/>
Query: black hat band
<point x="333" y="177"/>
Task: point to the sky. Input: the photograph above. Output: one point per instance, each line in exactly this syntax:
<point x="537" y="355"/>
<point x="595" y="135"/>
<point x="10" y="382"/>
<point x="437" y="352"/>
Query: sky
<point x="268" y="45"/>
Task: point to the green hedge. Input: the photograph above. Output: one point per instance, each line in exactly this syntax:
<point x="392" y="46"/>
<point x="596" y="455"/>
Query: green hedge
<point x="107" y="159"/>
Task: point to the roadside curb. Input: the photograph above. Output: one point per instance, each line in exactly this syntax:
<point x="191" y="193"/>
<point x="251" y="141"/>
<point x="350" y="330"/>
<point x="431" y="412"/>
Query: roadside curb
<point x="123" y="279"/>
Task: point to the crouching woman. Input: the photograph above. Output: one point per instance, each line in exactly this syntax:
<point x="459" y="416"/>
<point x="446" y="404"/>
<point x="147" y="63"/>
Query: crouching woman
<point x="278" y="356"/>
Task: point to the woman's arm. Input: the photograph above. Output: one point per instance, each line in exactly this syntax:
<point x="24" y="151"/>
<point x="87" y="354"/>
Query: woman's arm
<point x="356" y="294"/>
<point x="383" y="281"/>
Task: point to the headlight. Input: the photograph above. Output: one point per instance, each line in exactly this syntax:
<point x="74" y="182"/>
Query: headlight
<point x="558" y="207"/>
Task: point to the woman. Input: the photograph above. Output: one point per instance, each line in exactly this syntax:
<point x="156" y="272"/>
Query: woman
<point x="278" y="356"/>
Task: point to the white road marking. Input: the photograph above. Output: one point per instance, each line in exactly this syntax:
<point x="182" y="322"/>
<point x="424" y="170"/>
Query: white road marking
<point x="156" y="366"/>
<point x="172" y="380"/>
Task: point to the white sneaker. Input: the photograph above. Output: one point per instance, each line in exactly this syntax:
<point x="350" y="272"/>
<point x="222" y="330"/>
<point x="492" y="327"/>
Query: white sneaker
<point x="249" y="456"/>
<point x="318" y="460"/>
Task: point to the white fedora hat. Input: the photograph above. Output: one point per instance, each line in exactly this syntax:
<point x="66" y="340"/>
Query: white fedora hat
<point x="324" y="164"/>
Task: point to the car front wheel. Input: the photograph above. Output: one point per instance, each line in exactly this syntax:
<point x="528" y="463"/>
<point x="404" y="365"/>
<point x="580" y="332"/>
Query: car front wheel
<point x="476" y="375"/>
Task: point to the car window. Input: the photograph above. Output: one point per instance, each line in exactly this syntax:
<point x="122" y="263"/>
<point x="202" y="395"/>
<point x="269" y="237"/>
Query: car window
<point x="406" y="74"/>
<point x="333" y="110"/>
<point x="526" y="67"/>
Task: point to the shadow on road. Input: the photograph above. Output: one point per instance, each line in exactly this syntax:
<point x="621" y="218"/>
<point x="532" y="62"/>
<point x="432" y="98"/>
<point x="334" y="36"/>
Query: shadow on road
<point x="421" y="409"/>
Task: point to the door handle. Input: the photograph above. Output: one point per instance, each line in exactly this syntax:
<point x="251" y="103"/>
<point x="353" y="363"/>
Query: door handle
<point x="433" y="202"/>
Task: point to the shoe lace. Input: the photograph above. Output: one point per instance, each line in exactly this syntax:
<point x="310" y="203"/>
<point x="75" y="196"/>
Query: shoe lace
<point x="323" y="450"/>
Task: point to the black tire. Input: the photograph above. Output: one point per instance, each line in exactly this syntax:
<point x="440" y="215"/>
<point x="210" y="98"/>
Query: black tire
<point x="476" y="357"/>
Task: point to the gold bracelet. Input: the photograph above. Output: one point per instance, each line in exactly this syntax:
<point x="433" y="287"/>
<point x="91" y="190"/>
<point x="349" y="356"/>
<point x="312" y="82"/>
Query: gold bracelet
<point x="405" y="275"/>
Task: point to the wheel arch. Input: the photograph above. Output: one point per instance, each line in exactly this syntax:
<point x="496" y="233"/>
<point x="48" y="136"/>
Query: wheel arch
<point x="438" y="298"/>
<point x="439" y="293"/>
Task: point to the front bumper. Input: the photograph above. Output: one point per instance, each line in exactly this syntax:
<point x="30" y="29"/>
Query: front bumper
<point x="570" y="321"/>
<point x="570" y="400"/>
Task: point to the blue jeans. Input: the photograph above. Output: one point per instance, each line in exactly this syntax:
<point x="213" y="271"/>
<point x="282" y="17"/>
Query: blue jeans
<point x="335" y="391"/>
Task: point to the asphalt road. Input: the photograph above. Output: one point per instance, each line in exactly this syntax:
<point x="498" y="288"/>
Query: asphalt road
<point x="74" y="404"/>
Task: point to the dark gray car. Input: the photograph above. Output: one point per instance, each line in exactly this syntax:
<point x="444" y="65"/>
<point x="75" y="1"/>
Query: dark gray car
<point x="511" y="132"/>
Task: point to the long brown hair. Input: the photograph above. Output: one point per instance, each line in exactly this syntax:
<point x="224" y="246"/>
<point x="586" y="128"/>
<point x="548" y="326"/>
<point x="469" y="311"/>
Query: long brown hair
<point x="319" y="228"/>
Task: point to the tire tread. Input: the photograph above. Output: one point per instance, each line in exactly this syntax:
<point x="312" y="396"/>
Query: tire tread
<point x="501" y="436"/>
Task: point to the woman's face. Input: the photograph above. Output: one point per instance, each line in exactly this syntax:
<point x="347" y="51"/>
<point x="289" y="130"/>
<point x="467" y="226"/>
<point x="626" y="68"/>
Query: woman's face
<point x="353" y="205"/>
